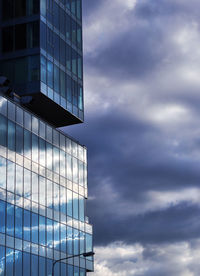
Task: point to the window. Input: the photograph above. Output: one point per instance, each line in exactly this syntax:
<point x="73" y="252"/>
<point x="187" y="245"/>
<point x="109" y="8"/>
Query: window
<point x="3" y="217"/>
<point x="7" y="39"/>
<point x="50" y="74"/>
<point x="27" y="226"/>
<point x="20" y="37"/>
<point x="3" y="173"/>
<point x="18" y="222"/>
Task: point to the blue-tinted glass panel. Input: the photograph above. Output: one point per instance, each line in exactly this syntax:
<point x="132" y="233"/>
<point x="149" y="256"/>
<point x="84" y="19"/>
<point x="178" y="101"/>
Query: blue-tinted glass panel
<point x="18" y="263"/>
<point x="50" y="156"/>
<point x="19" y="180"/>
<point x="89" y="245"/>
<point x="35" y="148"/>
<point x="10" y="219"/>
<point x="2" y="260"/>
<point x="63" y="269"/>
<point x="9" y="262"/>
<point x="34" y="265"/>
<point x="2" y="216"/>
<point x="69" y="203"/>
<point x="70" y="270"/>
<point x="26" y="264"/>
<point x="19" y="139"/>
<point x="76" y="242"/>
<point x="18" y="222"/>
<point x="82" y="242"/>
<point x="42" y="225"/>
<point x="27" y="225"/>
<point x="27" y="183"/>
<point x="49" y="194"/>
<point x="63" y="233"/>
<point x="11" y="176"/>
<point x="11" y="135"/>
<point x="27" y="143"/>
<point x="82" y="272"/>
<point x="69" y="240"/>
<point x="56" y="159"/>
<point x="56" y="197"/>
<point x="3" y="131"/>
<point x="34" y="228"/>
<point x="50" y="233"/>
<point x="63" y="200"/>
<point x="50" y="74"/>
<point x="42" y="152"/>
<point x="42" y="190"/>
<point x="81" y="208"/>
<point x="49" y="267"/>
<point x="42" y="266"/>
<point x="34" y="187"/>
<point x="76" y="271"/>
<point x="56" y="235"/>
<point x="43" y="69"/>
<point x="75" y="206"/>
<point x="3" y="172"/>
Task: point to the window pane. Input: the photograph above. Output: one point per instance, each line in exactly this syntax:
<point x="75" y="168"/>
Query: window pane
<point x="3" y="131"/>
<point x="19" y="139"/>
<point x="10" y="220"/>
<point x="18" y="263"/>
<point x="42" y="239"/>
<point x="75" y="205"/>
<point x="3" y="216"/>
<point x="2" y="260"/>
<point x="11" y="176"/>
<point x="11" y="135"/>
<point x="3" y="172"/>
<point x="50" y="233"/>
<point x="34" y="228"/>
<point x="26" y="264"/>
<point x="27" y="183"/>
<point x="19" y="180"/>
<point x="42" y="268"/>
<point x="27" y="225"/>
<point x="34" y="187"/>
<point x="42" y="190"/>
<point x="34" y="265"/>
<point x="18" y="222"/>
<point x="9" y="261"/>
<point x="69" y="241"/>
<point x="69" y="203"/>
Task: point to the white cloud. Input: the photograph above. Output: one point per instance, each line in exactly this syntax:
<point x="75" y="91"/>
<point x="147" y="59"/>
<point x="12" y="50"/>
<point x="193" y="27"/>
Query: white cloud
<point x="118" y="259"/>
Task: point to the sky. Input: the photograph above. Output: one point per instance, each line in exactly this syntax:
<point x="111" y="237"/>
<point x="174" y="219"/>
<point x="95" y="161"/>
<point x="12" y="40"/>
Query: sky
<point x="142" y="131"/>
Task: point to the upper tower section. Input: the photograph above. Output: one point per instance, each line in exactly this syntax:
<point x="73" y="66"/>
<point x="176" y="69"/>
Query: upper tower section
<point x="41" y="54"/>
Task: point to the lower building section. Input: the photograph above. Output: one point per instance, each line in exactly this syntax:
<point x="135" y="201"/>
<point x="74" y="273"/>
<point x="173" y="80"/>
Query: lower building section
<point x="18" y="263"/>
<point x="43" y="194"/>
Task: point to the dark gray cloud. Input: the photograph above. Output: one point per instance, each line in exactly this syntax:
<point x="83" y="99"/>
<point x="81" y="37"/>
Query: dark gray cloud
<point x="142" y="67"/>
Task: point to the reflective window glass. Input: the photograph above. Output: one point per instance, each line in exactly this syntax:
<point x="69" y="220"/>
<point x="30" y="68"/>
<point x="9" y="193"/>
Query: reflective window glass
<point x="34" y="187"/>
<point x="42" y="266"/>
<point x="26" y="264"/>
<point x="49" y="194"/>
<point x="10" y="220"/>
<point x="75" y="205"/>
<point x="27" y="225"/>
<point x="76" y="242"/>
<point x="19" y="180"/>
<point x="18" y="263"/>
<point x="56" y="235"/>
<point x="42" y="190"/>
<point x="3" y="130"/>
<point x="63" y="233"/>
<point x="11" y="135"/>
<point x="27" y="183"/>
<point x="2" y="260"/>
<point x="34" y="265"/>
<point x="11" y="176"/>
<point x="69" y="241"/>
<point x="2" y="216"/>
<point x="27" y="143"/>
<point x="18" y="222"/>
<point x="9" y="261"/>
<point x="70" y="270"/>
<point x="42" y="228"/>
<point x="35" y="148"/>
<point x="19" y="139"/>
<point x="3" y="172"/>
<point x="34" y="228"/>
<point x="69" y="203"/>
<point x="49" y="233"/>
<point x="56" y="196"/>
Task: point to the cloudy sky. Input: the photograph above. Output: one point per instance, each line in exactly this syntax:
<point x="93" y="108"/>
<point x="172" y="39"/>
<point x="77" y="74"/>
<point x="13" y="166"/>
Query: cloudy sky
<point x="142" y="130"/>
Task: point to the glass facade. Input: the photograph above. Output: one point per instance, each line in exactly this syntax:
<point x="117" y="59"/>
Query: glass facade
<point x="43" y="192"/>
<point x="41" y="54"/>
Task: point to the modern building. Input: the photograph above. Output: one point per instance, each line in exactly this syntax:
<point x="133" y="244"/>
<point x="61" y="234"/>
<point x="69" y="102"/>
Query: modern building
<point x="43" y="171"/>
